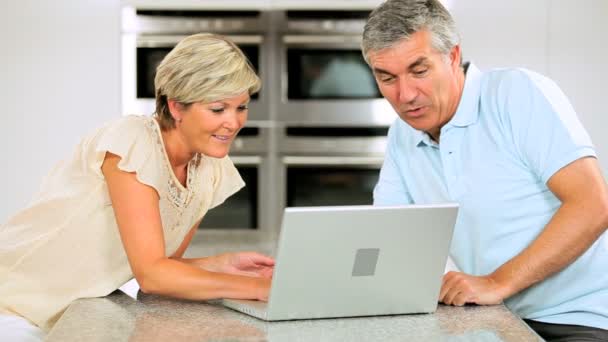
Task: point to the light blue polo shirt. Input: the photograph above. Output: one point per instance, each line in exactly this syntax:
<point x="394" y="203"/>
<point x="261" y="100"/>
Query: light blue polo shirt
<point x="512" y="131"/>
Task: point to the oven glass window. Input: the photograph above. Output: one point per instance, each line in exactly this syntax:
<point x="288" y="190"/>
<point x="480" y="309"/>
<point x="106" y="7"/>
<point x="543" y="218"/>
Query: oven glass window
<point x="239" y="210"/>
<point x="149" y="58"/>
<point x="328" y="74"/>
<point x="324" y="186"/>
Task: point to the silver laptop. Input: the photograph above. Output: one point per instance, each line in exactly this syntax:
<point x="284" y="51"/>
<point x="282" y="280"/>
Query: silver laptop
<point x="349" y="261"/>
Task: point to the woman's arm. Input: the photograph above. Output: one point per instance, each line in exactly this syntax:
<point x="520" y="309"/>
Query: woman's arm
<point x="244" y="263"/>
<point x="179" y="253"/>
<point x="138" y="217"/>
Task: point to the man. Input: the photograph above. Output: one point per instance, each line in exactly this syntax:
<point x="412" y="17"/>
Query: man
<point x="508" y="147"/>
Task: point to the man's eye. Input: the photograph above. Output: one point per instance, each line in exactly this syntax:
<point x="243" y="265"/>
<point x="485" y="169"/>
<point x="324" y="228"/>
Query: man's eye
<point x="421" y="72"/>
<point x="387" y="79"/>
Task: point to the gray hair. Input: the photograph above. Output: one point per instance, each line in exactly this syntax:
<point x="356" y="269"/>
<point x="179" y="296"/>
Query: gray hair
<point x="396" y="20"/>
<point x="202" y="68"/>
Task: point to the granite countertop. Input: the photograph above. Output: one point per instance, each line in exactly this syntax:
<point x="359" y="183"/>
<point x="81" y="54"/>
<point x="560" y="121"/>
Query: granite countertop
<point x="119" y="317"/>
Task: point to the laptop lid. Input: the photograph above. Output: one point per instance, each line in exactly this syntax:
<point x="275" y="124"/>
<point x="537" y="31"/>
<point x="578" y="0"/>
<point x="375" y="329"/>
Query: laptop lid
<point x="360" y="260"/>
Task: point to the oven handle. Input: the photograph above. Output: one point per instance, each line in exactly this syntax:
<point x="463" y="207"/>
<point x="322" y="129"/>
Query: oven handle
<point x="246" y="160"/>
<point x="332" y="161"/>
<point x="152" y="41"/>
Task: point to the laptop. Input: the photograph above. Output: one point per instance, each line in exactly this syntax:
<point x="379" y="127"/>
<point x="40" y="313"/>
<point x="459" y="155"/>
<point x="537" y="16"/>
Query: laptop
<point x="346" y="261"/>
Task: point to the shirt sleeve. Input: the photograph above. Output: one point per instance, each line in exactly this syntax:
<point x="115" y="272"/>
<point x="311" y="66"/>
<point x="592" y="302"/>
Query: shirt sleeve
<point x="546" y="130"/>
<point x="132" y="141"/>
<point x="226" y="181"/>
<point x="391" y="189"/>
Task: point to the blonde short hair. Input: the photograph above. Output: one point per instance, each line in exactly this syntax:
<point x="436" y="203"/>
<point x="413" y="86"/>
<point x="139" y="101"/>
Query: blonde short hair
<point x="202" y="68"/>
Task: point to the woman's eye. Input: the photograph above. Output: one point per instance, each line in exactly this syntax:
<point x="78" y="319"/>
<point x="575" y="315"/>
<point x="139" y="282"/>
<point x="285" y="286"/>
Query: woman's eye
<point x="217" y="110"/>
<point x="243" y="108"/>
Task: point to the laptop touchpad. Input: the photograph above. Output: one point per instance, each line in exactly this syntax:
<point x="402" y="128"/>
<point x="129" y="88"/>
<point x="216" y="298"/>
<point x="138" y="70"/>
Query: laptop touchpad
<point x="365" y="262"/>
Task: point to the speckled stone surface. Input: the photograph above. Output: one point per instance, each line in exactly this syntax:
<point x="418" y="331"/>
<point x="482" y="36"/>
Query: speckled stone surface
<point x="119" y="317"/>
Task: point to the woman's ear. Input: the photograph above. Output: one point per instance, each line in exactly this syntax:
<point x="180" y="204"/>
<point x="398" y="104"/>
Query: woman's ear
<point x="176" y="109"/>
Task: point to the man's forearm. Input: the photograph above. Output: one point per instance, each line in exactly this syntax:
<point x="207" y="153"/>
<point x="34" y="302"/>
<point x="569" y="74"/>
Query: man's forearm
<point x="571" y="231"/>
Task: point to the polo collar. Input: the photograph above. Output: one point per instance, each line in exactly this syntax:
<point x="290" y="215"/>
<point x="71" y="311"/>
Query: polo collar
<point x="467" y="112"/>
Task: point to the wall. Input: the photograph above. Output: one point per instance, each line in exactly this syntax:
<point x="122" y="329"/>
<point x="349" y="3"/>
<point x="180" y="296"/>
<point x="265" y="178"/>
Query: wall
<point x="562" y="39"/>
<point x="60" y="67"/>
<point x="577" y="52"/>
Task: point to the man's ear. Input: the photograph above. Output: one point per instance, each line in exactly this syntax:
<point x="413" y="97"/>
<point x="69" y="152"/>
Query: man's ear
<point x="455" y="56"/>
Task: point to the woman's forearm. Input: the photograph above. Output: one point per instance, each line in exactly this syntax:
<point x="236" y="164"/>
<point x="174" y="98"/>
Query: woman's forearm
<point x="200" y="262"/>
<point x="190" y="280"/>
<point x="209" y="263"/>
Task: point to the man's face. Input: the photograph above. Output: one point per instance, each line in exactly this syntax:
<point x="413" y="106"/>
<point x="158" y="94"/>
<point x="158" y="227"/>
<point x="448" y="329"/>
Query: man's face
<point x="422" y="84"/>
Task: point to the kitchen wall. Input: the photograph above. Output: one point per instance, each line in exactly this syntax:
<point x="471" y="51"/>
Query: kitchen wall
<point x="577" y="52"/>
<point x="60" y="67"/>
<point x="563" y="39"/>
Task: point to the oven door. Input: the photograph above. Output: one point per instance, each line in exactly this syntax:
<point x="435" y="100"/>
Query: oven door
<point x="241" y="210"/>
<point x="330" y="180"/>
<point x="149" y="50"/>
<point x="327" y="82"/>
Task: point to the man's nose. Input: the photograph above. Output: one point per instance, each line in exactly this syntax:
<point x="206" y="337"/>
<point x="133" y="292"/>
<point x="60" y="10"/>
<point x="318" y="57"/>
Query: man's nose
<point x="407" y="91"/>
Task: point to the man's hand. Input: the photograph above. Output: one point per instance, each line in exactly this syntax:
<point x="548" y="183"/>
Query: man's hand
<point x="459" y="289"/>
<point x="243" y="263"/>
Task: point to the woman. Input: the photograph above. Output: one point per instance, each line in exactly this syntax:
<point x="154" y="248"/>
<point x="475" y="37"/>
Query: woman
<point x="133" y="194"/>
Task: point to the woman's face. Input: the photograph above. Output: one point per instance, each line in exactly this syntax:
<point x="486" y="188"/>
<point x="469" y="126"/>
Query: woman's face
<point x="210" y="127"/>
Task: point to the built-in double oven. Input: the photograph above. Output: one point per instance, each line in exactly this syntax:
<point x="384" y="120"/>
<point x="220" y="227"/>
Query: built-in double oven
<point x="249" y="208"/>
<point x="317" y="130"/>
<point x="331" y="166"/>
<point x="334" y="120"/>
<point x="148" y="35"/>
<point x="324" y="78"/>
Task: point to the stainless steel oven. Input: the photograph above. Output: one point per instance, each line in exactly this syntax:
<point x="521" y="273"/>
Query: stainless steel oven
<point x="317" y="130"/>
<point x="324" y="80"/>
<point x="248" y="209"/>
<point x="148" y="35"/>
<point x="330" y="180"/>
<point x="240" y="211"/>
<point x="330" y="165"/>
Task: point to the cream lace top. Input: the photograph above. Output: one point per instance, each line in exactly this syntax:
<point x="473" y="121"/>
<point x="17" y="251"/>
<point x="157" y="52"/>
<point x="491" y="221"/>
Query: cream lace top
<point x="66" y="245"/>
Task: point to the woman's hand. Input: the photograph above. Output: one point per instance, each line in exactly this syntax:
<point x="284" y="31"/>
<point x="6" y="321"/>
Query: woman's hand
<point x="250" y="264"/>
<point x="263" y="290"/>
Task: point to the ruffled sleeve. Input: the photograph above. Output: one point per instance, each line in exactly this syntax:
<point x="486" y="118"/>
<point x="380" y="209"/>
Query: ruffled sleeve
<point x="131" y="138"/>
<point x="226" y="181"/>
